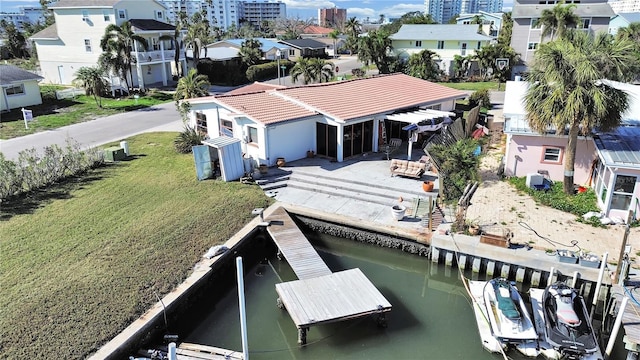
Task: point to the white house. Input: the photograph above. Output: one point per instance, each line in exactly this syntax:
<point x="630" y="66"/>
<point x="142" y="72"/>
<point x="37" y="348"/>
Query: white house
<point x="336" y="120"/>
<point x="19" y="88"/>
<point x="622" y="20"/>
<point x="74" y="40"/>
<point x="445" y="40"/>
<point x="491" y="22"/>
<point x="608" y="162"/>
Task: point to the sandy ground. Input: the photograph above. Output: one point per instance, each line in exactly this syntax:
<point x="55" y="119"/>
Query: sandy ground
<point x="498" y="207"/>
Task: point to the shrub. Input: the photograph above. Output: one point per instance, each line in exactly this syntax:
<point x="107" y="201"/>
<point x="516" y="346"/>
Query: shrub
<point x="266" y="71"/>
<point x="457" y="166"/>
<point x="480" y="97"/>
<point x="188" y="138"/>
<point x="358" y="72"/>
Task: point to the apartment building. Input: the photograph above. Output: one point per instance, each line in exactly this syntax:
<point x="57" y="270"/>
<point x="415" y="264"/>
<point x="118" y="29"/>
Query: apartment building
<point x="526" y="36"/>
<point x="220" y="13"/>
<point x="28" y="15"/>
<point x="442" y="11"/>
<point x="74" y="40"/>
<point x="476" y="6"/>
<point x="333" y="17"/>
<point x="625" y="6"/>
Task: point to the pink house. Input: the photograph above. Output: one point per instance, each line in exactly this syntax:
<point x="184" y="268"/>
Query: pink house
<point x="608" y="162"/>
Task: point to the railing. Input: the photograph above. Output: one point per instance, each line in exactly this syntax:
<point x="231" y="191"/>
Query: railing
<point x="153" y="56"/>
<point x="69" y="93"/>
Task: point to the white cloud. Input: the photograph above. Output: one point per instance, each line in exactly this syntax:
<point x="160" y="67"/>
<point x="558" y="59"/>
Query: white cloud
<point x="308" y="4"/>
<point x="398" y="10"/>
<point x="361" y="12"/>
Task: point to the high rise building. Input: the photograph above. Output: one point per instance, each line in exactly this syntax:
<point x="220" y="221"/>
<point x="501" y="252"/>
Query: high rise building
<point x="475" y="6"/>
<point x="256" y="12"/>
<point x="443" y="10"/>
<point x="221" y="13"/>
<point x="333" y="17"/>
<point x="625" y="6"/>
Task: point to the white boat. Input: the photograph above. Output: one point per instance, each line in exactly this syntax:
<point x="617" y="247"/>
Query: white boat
<point x="502" y="317"/>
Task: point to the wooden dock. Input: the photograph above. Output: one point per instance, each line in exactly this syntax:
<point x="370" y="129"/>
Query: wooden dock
<point x="335" y="297"/>
<point x="630" y="318"/>
<point x="291" y="242"/>
<point x="187" y="351"/>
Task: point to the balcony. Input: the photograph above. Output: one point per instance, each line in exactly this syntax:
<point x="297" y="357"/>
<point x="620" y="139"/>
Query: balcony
<point x="147" y="57"/>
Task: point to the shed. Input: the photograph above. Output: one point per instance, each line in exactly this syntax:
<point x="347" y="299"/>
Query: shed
<point x="229" y="156"/>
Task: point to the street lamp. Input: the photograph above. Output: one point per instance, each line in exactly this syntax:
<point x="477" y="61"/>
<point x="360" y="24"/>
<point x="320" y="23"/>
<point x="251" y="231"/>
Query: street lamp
<point x="278" y="53"/>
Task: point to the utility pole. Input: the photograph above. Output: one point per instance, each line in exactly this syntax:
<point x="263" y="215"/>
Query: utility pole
<point x="623" y="247"/>
<point x="278" y="53"/>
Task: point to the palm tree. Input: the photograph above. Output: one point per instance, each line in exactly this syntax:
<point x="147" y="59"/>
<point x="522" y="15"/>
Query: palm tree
<point x="322" y="69"/>
<point x="93" y="82"/>
<point x="424" y="65"/>
<point x="477" y="19"/>
<point x="353" y="29"/>
<point x="191" y="86"/>
<point x="375" y="48"/>
<point x="303" y="68"/>
<point x="556" y="21"/>
<point x="197" y="37"/>
<point x="250" y="52"/>
<point x="119" y="41"/>
<point x="566" y="91"/>
<point x="334" y="35"/>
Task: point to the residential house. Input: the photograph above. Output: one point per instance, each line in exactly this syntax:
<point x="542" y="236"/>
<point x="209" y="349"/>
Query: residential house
<point x="269" y="47"/>
<point x="526" y="35"/>
<point x="340" y="43"/>
<point x="491" y="22"/>
<point x="74" y="40"/>
<point x="313" y="31"/>
<point x="305" y="48"/>
<point x="603" y="160"/>
<point x="622" y="20"/>
<point x="336" y="120"/>
<point x="19" y="88"/>
<point x="445" y="40"/>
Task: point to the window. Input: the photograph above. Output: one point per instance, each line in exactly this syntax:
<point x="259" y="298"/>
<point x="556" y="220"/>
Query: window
<point x="201" y="122"/>
<point x="15" y="90"/>
<point x="87" y="45"/>
<point x="551" y="154"/>
<point x="440" y="44"/>
<point x="159" y="15"/>
<point x="292" y="52"/>
<point x="479" y="45"/>
<point x="419" y="43"/>
<point x="253" y="135"/>
<point x="463" y="49"/>
<point x="85" y="15"/>
<point x="226" y="128"/>
<point x="535" y="24"/>
<point x="623" y="192"/>
<point x="585" y="23"/>
<point x="106" y="15"/>
<point x="532" y="46"/>
<point x="122" y="14"/>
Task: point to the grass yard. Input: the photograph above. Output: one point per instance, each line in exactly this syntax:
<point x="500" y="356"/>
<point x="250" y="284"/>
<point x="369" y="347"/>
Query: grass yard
<point x="83" y="259"/>
<point x="53" y="113"/>
<point x="472" y="86"/>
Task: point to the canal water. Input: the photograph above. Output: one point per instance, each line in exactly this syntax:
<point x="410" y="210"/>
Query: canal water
<point x="432" y="317"/>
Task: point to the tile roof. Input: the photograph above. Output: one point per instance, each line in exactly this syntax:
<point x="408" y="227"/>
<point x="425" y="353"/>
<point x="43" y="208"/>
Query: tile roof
<point x="150" y="24"/>
<point x="303" y="43"/>
<point x="50" y="32"/>
<point x="314" y="29"/>
<point x="344" y="100"/>
<point x="263" y="107"/>
<point x="10" y="74"/>
<point x="439" y="32"/>
<point x="583" y="10"/>
<point x="83" y="3"/>
<point x="255" y="87"/>
<point x="341" y="100"/>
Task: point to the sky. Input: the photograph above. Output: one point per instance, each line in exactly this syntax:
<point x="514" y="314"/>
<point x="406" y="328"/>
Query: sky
<point x="305" y="9"/>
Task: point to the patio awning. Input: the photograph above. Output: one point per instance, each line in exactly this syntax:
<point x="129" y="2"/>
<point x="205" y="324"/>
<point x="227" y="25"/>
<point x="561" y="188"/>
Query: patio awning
<point x="425" y="117"/>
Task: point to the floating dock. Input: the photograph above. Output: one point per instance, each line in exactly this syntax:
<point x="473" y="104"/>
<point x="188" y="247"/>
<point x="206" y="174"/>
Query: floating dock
<point x="631" y="316"/>
<point x="320" y="296"/>
<point x="188" y="351"/>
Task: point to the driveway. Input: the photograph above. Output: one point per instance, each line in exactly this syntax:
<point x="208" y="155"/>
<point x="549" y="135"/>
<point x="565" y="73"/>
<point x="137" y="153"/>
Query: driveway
<point x="163" y="117"/>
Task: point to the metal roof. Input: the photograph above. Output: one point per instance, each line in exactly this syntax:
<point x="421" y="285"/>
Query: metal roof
<point x="304" y="43"/>
<point x="220" y="141"/>
<point x="620" y="147"/>
<point x="439" y="32"/>
<point x="267" y="44"/>
<point x="583" y="10"/>
<point x="150" y="25"/>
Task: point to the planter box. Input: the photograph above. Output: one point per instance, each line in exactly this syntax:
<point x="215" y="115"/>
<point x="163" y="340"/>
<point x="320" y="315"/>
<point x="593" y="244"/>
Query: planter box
<point x="494" y="240"/>
<point x="567" y="256"/>
<point x="590" y="261"/>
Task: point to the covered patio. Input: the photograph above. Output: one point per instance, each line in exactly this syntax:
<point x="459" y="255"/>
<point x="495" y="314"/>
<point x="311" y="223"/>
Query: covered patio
<point x="419" y="123"/>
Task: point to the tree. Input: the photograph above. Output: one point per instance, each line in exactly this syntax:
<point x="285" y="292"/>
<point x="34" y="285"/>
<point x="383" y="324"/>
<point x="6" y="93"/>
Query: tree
<point x="487" y="57"/>
<point x="120" y="42"/>
<point x="250" y="52"/>
<point x="424" y="65"/>
<point x="557" y="20"/>
<point x="504" y="37"/>
<point x="414" y="17"/>
<point x="461" y="66"/>
<point x="632" y="33"/>
<point x="457" y="166"/>
<point x="381" y="19"/>
<point x="334" y="35"/>
<point x="322" y="69"/>
<point x="353" y="30"/>
<point x="303" y="68"/>
<point x="566" y="92"/>
<point x="375" y="48"/>
<point x="92" y="80"/>
<point x="477" y="19"/>
<point x="191" y="86"/>
<point x="15" y="40"/>
<point x="197" y="37"/>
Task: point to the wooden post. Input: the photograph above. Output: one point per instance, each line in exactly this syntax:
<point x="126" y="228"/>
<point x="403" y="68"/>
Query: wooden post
<point x="624" y="245"/>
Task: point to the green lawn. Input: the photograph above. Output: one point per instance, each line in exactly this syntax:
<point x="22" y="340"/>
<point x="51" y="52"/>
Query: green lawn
<point x="57" y="113"/>
<point x="472" y="86"/>
<point x="82" y="260"/>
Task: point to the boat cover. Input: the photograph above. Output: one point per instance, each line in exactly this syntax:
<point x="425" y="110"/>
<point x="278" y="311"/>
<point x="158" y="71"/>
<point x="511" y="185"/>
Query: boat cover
<point x="505" y="302"/>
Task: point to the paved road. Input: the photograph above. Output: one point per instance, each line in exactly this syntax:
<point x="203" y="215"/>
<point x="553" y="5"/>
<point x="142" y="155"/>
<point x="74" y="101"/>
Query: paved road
<point x="108" y="129"/>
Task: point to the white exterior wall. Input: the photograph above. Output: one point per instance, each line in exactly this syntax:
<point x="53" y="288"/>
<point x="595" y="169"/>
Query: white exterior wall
<point x="300" y="136"/>
<point x="30" y="97"/>
<point x="405" y="48"/>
